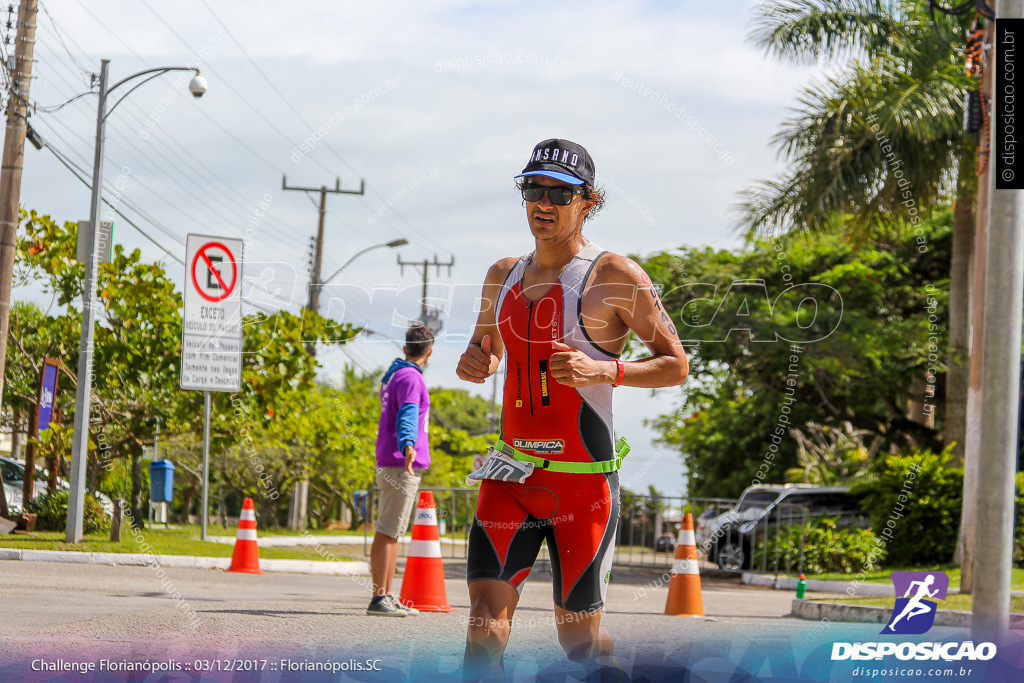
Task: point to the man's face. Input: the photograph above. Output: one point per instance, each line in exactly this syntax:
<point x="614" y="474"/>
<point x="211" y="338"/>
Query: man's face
<point x="549" y="221"/>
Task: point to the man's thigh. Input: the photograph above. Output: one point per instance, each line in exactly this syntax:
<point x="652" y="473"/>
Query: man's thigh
<point x="504" y="539"/>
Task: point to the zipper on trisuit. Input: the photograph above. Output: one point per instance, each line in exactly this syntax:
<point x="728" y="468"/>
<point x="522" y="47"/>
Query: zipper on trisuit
<point x="529" y="364"/>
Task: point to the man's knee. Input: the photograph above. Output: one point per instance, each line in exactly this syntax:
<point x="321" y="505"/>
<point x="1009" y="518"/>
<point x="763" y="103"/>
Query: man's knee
<point x="490" y="610"/>
<point x="487" y="617"/>
<point x="582" y="637"/>
<point x="487" y="625"/>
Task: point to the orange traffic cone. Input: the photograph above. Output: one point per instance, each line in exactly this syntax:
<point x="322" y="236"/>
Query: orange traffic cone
<point x="246" y="557"/>
<point x="684" y="599"/>
<point x="423" y="582"/>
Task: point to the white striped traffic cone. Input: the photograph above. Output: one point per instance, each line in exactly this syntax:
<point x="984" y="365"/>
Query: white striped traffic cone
<point x="684" y="599"/>
<point x="423" y="581"/>
<point x="246" y="557"/>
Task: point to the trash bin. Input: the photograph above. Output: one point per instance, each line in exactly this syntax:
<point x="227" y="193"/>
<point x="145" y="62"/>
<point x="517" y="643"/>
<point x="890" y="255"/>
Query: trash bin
<point x="359" y="501"/>
<point x="161" y="481"/>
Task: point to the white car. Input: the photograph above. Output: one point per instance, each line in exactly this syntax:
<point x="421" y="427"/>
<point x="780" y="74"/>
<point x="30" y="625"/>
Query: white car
<point x="14" y="478"/>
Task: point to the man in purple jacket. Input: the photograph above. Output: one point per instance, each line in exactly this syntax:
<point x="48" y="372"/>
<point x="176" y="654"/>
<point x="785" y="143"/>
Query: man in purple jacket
<point x="402" y="449"/>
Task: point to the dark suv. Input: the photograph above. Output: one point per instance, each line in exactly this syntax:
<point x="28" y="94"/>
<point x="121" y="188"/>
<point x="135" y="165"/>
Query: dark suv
<point x="762" y="509"/>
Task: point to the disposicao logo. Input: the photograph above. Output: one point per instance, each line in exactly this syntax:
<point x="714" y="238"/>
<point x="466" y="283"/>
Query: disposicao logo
<point x="914" y="614"/>
<point x="916" y="595"/>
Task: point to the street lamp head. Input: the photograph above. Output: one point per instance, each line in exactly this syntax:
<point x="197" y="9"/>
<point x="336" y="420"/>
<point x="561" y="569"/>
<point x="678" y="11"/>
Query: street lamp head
<point x="197" y="86"/>
<point x="400" y="242"/>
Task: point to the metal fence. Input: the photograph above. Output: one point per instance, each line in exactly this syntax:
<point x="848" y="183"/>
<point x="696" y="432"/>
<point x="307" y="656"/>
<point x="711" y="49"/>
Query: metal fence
<point x="646" y="536"/>
<point x="754" y="541"/>
<point x="455" y="508"/>
<point x="649" y="528"/>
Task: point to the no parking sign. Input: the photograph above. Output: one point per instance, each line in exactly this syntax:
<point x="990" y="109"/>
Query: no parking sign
<point x="211" y="350"/>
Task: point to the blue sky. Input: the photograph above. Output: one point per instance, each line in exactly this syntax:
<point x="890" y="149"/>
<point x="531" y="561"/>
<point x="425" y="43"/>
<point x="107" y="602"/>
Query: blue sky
<point x="436" y="105"/>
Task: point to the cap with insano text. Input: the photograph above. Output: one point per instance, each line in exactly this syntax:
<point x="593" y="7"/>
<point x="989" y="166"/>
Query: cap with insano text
<point x="562" y="160"/>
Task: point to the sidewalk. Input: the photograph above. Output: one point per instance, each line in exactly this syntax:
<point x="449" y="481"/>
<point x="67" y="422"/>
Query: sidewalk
<point x="303" y="540"/>
<point x="183" y="561"/>
<point x="865" y="614"/>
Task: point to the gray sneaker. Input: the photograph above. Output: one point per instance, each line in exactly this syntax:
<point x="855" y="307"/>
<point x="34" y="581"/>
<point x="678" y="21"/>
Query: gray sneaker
<point x="385" y="608"/>
<point x="409" y="611"/>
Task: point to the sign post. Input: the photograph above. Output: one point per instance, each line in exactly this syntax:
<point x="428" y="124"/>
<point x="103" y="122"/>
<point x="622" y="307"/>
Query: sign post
<point x="211" y="345"/>
<point x="40" y="422"/>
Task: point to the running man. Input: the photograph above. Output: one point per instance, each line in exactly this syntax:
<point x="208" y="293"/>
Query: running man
<point x="915" y="605"/>
<point x="561" y="314"/>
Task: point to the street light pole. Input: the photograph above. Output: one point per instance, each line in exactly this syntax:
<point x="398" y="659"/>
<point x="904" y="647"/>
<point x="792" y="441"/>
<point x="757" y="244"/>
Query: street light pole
<point x="83" y="392"/>
<point x="400" y="242"/>
<point x="80" y="440"/>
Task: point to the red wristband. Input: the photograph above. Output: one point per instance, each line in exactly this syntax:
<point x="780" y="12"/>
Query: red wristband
<point x="622" y="372"/>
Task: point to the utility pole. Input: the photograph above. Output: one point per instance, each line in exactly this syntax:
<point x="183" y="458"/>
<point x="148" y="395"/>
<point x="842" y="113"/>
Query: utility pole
<point x="428" y="316"/>
<point x="972" y="433"/>
<point x="1001" y="338"/>
<point x="300" y="493"/>
<point x="318" y="246"/>
<point x="13" y="158"/>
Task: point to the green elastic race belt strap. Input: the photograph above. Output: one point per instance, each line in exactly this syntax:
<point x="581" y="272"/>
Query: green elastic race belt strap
<point x="621" y="450"/>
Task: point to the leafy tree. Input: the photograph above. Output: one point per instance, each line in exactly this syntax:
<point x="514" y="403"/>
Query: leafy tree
<point x="33" y="337"/>
<point x="460" y="429"/>
<point x="458" y="409"/>
<point x="346" y="459"/>
<point x="830" y="456"/>
<point x="138" y="350"/>
<point x="881" y="140"/>
<point x="137" y="343"/>
<point x="852" y="348"/>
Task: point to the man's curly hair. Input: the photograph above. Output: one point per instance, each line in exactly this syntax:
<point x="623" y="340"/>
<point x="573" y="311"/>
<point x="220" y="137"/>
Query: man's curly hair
<point x="590" y="192"/>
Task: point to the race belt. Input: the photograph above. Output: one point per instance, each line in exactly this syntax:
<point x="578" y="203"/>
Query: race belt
<point x="621" y="450"/>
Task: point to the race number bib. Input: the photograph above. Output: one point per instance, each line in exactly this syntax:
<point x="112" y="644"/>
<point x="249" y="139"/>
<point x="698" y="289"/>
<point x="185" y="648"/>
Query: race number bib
<point x="500" y="467"/>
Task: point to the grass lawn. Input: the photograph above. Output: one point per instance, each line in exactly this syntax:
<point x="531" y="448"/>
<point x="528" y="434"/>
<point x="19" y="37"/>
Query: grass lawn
<point x="882" y="576"/>
<point x="954" y="601"/>
<point x="172" y="541"/>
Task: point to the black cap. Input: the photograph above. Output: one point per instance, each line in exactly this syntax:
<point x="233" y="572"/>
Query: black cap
<point x="562" y="160"/>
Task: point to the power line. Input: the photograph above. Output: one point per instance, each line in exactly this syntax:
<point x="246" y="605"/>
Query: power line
<point x="71" y="167"/>
<point x="306" y="123"/>
<point x="127" y="202"/>
<point x="256" y="110"/>
<point x="60" y="38"/>
<point x="230" y="193"/>
<point x="162" y="140"/>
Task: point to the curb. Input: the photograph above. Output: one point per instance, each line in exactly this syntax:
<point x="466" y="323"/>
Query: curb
<point x="287" y="541"/>
<point x="867" y="590"/>
<point x="865" y="614"/>
<point x="183" y="561"/>
<point x="291" y="541"/>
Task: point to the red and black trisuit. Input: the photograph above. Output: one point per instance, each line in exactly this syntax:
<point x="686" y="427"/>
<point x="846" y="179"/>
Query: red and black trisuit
<point x="577" y="514"/>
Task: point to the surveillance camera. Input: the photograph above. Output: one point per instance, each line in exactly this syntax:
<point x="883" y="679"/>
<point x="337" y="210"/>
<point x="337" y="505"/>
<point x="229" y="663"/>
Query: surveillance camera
<point x="197" y="86"/>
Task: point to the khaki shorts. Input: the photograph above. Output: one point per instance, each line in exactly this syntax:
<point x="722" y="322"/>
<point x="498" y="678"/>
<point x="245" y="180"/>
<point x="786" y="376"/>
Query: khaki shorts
<point x="397" y="498"/>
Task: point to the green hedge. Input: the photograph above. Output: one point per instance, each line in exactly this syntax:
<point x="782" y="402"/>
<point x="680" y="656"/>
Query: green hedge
<point x="826" y="548"/>
<point x="921" y="529"/>
<point x="51" y="511"/>
<point x="1018" y="535"/>
<point x="914" y="502"/>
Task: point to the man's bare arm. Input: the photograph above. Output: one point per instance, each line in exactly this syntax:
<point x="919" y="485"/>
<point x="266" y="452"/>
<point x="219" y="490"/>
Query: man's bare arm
<point x="628" y="291"/>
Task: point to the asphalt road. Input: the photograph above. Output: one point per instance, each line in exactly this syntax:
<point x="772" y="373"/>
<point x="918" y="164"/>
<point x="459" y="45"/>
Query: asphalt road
<point x="193" y="617"/>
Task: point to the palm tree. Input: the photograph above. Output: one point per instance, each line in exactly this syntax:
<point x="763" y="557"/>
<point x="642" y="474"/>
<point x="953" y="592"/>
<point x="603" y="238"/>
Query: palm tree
<point x="880" y="140"/>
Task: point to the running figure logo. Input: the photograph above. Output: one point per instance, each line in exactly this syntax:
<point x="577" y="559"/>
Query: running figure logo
<point x="914" y="612"/>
